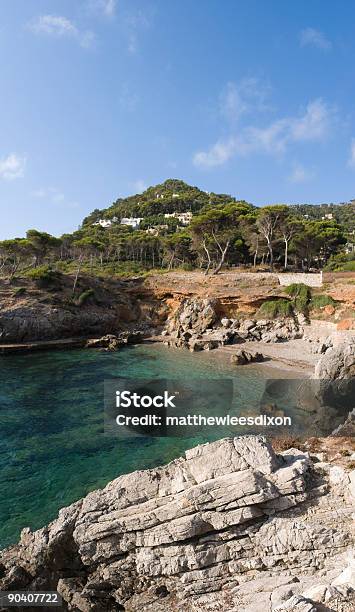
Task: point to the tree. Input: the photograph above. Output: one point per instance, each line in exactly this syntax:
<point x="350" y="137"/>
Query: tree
<point x="178" y="247"/>
<point x="217" y="229"/>
<point x="13" y="253"/>
<point x="42" y="243"/>
<point x="253" y="238"/>
<point x="317" y="240"/>
<point x="268" y="223"/>
<point x="288" y="226"/>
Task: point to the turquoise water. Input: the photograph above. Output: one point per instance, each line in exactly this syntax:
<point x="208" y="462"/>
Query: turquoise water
<point x="52" y="446"/>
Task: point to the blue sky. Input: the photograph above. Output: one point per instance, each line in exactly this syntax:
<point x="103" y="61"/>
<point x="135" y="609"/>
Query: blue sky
<point x="101" y="98"/>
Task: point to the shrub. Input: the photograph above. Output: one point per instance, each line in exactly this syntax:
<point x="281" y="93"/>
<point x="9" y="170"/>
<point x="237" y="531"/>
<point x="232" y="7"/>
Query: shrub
<point x="321" y="300"/>
<point x="349" y="266"/>
<point x="276" y="308"/>
<point x="187" y="267"/>
<point x="85" y="296"/>
<point x="301" y="295"/>
<point x="19" y="291"/>
<point x="341" y="262"/>
<point x="44" y="276"/>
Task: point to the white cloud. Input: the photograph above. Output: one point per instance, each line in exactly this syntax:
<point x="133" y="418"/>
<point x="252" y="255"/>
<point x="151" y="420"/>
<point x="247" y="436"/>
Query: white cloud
<point x="132" y="46"/>
<point x="54" y="25"/>
<point x="314" y="38"/>
<point x="217" y="155"/>
<point x="300" y="174"/>
<point x="109" y="7"/>
<point x="312" y="126"/>
<point x="50" y="194"/>
<point x="139" y="186"/>
<point x="135" y="22"/>
<point x="105" y="7"/>
<point x="12" y="167"/>
<point x="247" y="96"/>
<point x="60" y="27"/>
<point x="351" y="160"/>
<point x="128" y="100"/>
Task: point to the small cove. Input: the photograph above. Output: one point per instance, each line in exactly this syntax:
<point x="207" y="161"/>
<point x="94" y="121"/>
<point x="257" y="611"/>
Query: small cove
<point x="52" y="447"/>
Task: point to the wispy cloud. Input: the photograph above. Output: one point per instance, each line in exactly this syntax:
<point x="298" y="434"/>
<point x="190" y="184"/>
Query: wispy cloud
<point x="12" y="167"/>
<point x="107" y="8"/>
<point x="314" y="38"/>
<point x="139" y="186"/>
<point x="351" y="160"/>
<point x="52" y="195"/>
<point x="128" y="99"/>
<point x="313" y="125"/>
<point x="135" y="22"/>
<point x="238" y="99"/>
<point x="300" y="174"/>
<point x="217" y="155"/>
<point x="58" y="26"/>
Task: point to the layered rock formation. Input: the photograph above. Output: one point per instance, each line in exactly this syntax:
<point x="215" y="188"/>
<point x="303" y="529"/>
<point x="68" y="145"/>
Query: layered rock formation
<point x="197" y="324"/>
<point x="231" y="526"/>
<point x="335" y="382"/>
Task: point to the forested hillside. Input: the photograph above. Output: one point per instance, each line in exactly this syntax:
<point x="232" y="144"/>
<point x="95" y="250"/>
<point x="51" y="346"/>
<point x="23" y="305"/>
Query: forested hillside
<point x="176" y="225"/>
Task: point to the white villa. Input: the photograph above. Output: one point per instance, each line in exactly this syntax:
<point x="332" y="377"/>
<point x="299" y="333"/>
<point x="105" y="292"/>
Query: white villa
<point x="106" y="222"/>
<point x="155" y="231"/>
<point x="349" y="248"/>
<point x="134" y="222"/>
<point x="185" y="217"/>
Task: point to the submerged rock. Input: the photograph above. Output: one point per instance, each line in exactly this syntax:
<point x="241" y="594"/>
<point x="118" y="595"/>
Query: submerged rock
<point x="229" y="525"/>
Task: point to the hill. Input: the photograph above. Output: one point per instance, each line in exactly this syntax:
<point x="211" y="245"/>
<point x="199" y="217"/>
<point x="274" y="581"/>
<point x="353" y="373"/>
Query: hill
<point x="171" y="196"/>
<point x="174" y="195"/>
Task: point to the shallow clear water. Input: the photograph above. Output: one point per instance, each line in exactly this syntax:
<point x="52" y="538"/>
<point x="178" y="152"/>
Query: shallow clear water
<point x="52" y="446"/>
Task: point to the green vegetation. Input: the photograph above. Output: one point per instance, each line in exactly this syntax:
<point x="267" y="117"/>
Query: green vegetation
<point x="223" y="231"/>
<point x="19" y="291"/>
<point x="321" y="300"/>
<point x="341" y="262"/>
<point x="303" y="299"/>
<point x="276" y="308"/>
<point x="44" y="276"/>
<point x="301" y="295"/>
<point x="85" y="296"/>
<point x="344" y="214"/>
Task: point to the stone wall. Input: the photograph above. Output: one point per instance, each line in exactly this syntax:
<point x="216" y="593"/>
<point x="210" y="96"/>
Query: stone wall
<point x="312" y="280"/>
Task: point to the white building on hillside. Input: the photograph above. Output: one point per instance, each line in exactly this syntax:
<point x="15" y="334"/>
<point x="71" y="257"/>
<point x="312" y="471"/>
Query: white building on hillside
<point x="134" y="222"/>
<point x="184" y="217"/>
<point x="104" y="223"/>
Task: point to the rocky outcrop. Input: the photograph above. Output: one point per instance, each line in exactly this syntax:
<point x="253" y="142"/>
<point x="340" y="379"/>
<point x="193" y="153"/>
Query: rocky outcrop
<point x="44" y="323"/>
<point x="231" y="526"/>
<point x="193" y="317"/>
<point x="338" y="363"/>
<point x="335" y="377"/>
<point x="113" y="342"/>
<point x="242" y="357"/>
<point x="54" y="313"/>
<point x="197" y="325"/>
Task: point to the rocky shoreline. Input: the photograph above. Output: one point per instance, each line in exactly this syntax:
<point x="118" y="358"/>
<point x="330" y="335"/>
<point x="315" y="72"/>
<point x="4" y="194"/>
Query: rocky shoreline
<point x="230" y="526"/>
